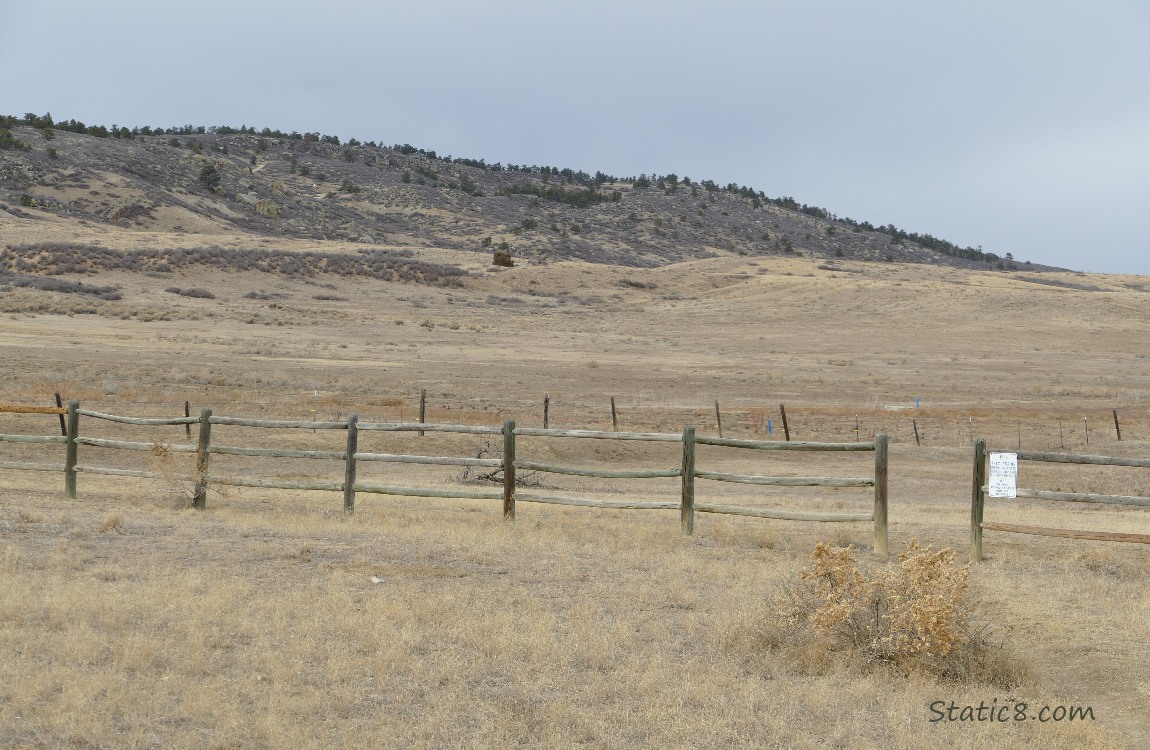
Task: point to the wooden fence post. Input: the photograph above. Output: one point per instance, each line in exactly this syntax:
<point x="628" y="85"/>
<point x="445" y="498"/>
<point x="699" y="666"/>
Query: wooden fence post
<point x="422" y="408"/>
<point x="546" y="409"/>
<point x="614" y="416"/>
<point x="200" y="494"/>
<point x="977" y="500"/>
<point x="718" y="418"/>
<point x="687" y="500"/>
<point x="881" y="543"/>
<point x="786" y="429"/>
<point x="187" y="413"/>
<point x="60" y="405"/>
<point x="1117" y="429"/>
<point x="509" y="470"/>
<point x="917" y="440"/>
<point x="349" y="463"/>
<point x="72" y="449"/>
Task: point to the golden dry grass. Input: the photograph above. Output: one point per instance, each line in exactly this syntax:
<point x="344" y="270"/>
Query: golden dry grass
<point x="259" y="624"/>
<point x="127" y="621"/>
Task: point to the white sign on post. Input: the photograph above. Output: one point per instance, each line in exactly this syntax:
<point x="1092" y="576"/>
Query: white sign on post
<point x="1003" y="480"/>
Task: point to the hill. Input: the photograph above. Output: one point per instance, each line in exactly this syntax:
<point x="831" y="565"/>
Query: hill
<point x="215" y="182"/>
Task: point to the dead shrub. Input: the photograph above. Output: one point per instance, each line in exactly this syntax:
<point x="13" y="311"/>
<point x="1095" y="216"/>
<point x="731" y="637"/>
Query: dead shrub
<point x="173" y="475"/>
<point x="503" y="258"/>
<point x="916" y="617"/>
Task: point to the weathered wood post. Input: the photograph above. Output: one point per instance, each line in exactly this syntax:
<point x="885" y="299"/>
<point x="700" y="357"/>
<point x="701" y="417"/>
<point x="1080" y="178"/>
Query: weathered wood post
<point x="1117" y="429"/>
<point x="72" y="449"/>
<point x="200" y="494"/>
<point x="718" y="418"/>
<point x="786" y="429"/>
<point x="349" y="463"/>
<point x="1086" y="428"/>
<point x="187" y="414"/>
<point x="614" y="416"/>
<point x="509" y="470"/>
<point x="881" y="543"/>
<point x="917" y="440"/>
<point x="977" y="500"/>
<point x="422" y="408"/>
<point x="60" y="405"/>
<point x="546" y="409"/>
<point x="687" y="500"/>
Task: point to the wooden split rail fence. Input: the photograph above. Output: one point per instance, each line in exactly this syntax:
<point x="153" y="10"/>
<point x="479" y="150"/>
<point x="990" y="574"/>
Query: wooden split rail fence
<point x="509" y="464"/>
<point x="980" y="489"/>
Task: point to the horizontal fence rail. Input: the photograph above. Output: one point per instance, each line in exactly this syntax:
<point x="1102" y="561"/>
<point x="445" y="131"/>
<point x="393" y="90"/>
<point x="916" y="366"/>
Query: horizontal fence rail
<point x="279" y="424"/>
<point x="786" y="515"/>
<point x="43" y="439"/>
<point x="203" y="476"/>
<point x="21" y="409"/>
<point x="126" y="445"/>
<point x="787" y="481"/>
<point x="139" y="421"/>
<point x="1078" y="458"/>
<point x="774" y="445"/>
<point x="651" y="437"/>
<point x="31" y="466"/>
<point x="598" y="473"/>
<point x="462" y="429"/>
<point x="403" y="458"/>
<point x="590" y="503"/>
<point x="233" y="450"/>
<point x="980" y="490"/>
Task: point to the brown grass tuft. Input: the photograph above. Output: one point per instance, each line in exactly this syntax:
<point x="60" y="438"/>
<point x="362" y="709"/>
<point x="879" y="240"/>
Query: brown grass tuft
<point x="114" y="522"/>
<point x="30" y="517"/>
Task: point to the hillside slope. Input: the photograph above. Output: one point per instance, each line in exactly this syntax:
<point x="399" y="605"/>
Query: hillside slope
<point x="255" y="186"/>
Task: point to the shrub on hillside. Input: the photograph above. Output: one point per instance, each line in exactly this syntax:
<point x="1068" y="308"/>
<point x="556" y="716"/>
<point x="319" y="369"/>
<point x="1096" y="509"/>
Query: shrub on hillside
<point x="503" y="258"/>
<point x="210" y="176"/>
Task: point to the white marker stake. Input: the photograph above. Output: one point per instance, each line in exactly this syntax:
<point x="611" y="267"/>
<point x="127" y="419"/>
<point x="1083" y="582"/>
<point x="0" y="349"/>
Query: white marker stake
<point x="1003" y="481"/>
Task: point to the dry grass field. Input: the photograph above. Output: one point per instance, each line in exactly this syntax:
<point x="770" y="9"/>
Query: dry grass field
<point x="273" y="620"/>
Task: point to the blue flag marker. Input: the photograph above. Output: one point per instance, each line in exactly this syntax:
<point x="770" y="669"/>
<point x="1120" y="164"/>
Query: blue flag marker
<point x="770" y="430"/>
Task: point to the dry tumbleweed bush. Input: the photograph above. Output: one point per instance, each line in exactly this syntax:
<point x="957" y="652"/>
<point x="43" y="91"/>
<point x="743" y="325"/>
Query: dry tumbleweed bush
<point x="916" y="616"/>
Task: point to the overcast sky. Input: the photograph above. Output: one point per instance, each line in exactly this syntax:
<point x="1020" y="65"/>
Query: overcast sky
<point x="1021" y="127"/>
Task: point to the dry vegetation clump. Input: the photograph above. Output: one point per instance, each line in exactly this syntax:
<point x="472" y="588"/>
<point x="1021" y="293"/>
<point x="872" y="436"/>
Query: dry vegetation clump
<point x="25" y="281"/>
<point x="54" y="258"/>
<point x="196" y="292"/>
<point x="917" y="617"/>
